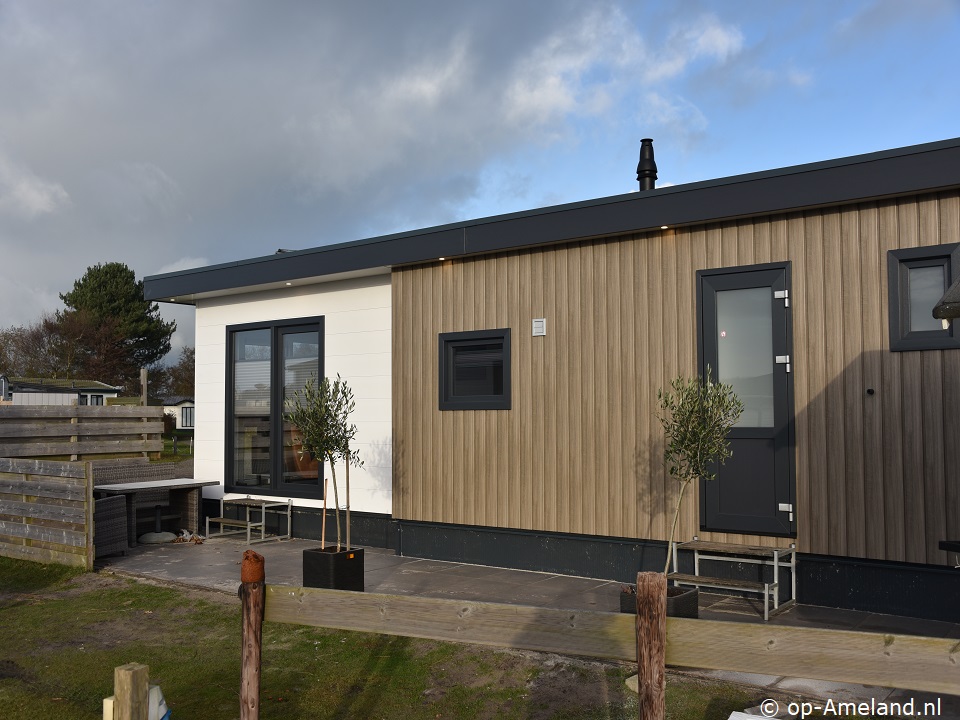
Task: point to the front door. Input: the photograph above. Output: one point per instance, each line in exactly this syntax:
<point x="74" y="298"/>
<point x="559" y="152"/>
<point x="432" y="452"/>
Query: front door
<point x="745" y="338"/>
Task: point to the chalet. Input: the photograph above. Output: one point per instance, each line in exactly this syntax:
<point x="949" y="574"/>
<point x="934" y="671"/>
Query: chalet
<point x="506" y="372"/>
<point x="183" y="409"/>
<point x="53" y="391"/>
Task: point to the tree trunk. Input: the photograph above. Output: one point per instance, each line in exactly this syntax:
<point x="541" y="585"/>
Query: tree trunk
<point x="347" y="483"/>
<point x="673" y="528"/>
<point x="336" y="501"/>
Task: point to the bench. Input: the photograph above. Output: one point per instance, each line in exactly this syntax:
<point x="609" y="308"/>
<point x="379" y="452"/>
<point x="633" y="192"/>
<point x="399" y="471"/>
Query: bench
<point x="248" y="523"/>
<point x="727" y="552"/>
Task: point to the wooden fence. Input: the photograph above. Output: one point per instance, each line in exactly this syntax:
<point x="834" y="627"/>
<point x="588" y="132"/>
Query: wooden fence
<point x="79" y="432"/>
<point x="46" y="511"/>
<point x="901" y="661"/>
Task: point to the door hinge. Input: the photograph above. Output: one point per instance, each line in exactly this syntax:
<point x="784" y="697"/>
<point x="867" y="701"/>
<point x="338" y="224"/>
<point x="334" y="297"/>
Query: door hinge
<point x="782" y="295"/>
<point x="787" y="508"/>
<point x="783" y="360"/>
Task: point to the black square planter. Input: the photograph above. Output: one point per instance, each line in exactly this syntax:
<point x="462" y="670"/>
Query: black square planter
<point x="327" y="568"/>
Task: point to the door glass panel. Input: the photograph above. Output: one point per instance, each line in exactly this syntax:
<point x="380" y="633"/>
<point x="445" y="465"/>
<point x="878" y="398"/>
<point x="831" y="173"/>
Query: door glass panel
<point x="745" y="351"/>
<point x="926" y="285"/>
<point x="251" y="407"/>
<point x="301" y="361"/>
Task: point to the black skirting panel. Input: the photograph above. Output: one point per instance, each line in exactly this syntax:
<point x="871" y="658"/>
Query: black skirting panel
<point x="583" y="555"/>
<point x="931" y="592"/>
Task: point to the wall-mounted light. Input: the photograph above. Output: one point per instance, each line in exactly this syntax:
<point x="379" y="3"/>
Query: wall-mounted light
<point x="664" y="227"/>
<point x="441" y="258"/>
<point x="288" y="284"/>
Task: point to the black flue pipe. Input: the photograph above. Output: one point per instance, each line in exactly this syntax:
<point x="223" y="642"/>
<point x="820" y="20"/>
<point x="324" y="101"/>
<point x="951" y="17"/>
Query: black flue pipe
<point x="647" y="167"/>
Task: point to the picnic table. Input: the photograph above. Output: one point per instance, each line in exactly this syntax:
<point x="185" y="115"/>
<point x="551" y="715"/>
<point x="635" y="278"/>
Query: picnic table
<point x="184" y="499"/>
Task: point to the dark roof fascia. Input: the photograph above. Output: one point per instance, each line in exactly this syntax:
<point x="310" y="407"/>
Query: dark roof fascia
<point x="889" y="173"/>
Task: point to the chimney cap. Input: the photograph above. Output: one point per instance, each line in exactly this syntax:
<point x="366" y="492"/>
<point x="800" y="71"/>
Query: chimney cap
<point x="647" y="167"/>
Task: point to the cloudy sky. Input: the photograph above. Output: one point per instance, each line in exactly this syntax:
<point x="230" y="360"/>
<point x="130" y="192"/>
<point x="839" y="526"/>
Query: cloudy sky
<point x="176" y="134"/>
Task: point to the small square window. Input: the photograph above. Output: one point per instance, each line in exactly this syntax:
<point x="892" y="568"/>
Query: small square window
<point x="475" y="370"/>
<point x="918" y="278"/>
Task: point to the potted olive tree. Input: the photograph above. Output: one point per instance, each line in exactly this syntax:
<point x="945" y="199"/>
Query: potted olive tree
<point x="696" y="416"/>
<point x="320" y="414"/>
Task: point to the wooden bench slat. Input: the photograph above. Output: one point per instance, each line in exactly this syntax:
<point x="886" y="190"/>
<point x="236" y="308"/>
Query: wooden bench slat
<point x="718" y="582"/>
<point x="233" y="522"/>
<point x="731" y="549"/>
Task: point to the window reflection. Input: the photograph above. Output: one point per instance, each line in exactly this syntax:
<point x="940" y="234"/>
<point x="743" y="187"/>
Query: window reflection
<point x="745" y="351"/>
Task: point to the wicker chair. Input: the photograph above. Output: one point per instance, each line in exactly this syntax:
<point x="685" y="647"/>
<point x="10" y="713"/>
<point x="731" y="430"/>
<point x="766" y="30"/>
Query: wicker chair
<point x="110" y="525"/>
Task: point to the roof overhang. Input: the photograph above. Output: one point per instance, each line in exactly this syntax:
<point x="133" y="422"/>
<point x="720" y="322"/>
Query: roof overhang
<point x="891" y="173"/>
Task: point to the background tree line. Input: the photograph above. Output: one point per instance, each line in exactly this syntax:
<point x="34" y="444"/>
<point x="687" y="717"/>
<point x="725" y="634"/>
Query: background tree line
<point x="107" y="332"/>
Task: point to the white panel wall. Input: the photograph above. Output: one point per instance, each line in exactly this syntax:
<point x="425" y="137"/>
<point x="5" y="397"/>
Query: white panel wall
<point x="42" y="398"/>
<point x="356" y="345"/>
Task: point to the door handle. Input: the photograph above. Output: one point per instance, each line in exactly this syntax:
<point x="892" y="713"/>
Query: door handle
<point x="787" y="508"/>
<point x="783" y="360"/>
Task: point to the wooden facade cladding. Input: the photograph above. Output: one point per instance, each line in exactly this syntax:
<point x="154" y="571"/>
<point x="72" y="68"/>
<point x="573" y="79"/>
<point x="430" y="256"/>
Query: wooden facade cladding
<point x="580" y="451"/>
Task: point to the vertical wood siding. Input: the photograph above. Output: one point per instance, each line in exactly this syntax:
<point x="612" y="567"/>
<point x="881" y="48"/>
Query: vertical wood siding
<point x="580" y="450"/>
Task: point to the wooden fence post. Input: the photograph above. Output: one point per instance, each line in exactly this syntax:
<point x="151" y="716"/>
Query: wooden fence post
<point x="651" y="644"/>
<point x="131" y="692"/>
<point x="252" y="594"/>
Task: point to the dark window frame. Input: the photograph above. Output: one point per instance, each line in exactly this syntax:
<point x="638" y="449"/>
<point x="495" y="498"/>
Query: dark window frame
<point x="183" y="416"/>
<point x="276" y="327"/>
<point x="447" y="343"/>
<point x="899" y="262"/>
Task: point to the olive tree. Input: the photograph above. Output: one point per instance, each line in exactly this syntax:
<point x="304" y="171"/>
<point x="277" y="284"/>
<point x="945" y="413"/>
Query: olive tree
<point x="320" y="414"/>
<point x="696" y="416"/>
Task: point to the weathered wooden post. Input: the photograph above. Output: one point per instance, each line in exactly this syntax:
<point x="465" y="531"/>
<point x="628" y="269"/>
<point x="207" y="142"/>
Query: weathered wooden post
<point x="131" y="692"/>
<point x="651" y="644"/>
<point x="252" y="594"/>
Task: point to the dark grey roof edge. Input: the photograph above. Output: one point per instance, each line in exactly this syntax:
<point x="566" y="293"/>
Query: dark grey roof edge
<point x="44" y="384"/>
<point x="885" y="173"/>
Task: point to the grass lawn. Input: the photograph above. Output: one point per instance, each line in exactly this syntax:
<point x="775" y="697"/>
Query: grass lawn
<point x="62" y="633"/>
<point x="183" y="449"/>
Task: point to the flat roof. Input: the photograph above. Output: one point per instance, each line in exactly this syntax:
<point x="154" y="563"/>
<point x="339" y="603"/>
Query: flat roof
<point x="889" y="173"/>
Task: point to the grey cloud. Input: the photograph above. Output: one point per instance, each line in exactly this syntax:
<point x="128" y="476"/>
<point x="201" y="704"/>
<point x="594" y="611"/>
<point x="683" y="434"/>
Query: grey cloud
<point x="152" y="133"/>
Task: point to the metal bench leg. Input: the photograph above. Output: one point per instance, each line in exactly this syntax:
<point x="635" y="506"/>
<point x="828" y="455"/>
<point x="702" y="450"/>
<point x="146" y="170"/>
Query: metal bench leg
<point x="766" y="602"/>
<point x="776" y="579"/>
<point x="793" y="575"/>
